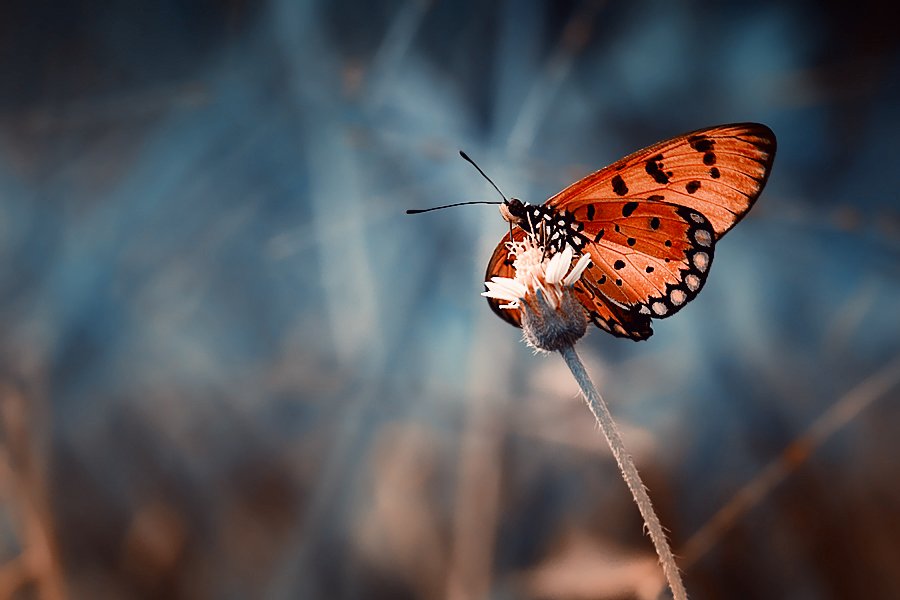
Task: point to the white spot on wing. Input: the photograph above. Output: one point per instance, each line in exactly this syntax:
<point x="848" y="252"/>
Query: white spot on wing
<point x="677" y="296"/>
<point x="701" y="261"/>
<point x="698" y="218"/>
<point x="644" y="310"/>
<point x="703" y="238"/>
<point x="693" y="282"/>
<point x="659" y="308"/>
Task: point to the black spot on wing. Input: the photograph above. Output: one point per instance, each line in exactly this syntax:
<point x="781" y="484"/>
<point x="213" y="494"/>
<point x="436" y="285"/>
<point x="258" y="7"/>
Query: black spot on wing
<point x="714" y="173"/>
<point x="591" y="210"/>
<point x="701" y="143"/>
<point x="654" y="169"/>
<point x="692" y="186"/>
<point x="628" y="209"/>
<point x="618" y="185"/>
<point x="619" y="264"/>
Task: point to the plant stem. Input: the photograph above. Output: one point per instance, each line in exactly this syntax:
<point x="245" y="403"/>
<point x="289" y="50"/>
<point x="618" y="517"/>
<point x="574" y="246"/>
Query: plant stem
<point x="629" y="471"/>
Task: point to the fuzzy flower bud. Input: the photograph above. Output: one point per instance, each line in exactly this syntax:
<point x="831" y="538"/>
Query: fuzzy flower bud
<point x="552" y="329"/>
<point x="552" y="317"/>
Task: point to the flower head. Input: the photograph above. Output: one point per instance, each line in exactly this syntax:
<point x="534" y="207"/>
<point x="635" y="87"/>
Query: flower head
<point x="552" y="317"/>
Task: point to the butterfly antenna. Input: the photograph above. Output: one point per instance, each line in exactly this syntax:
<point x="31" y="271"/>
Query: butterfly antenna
<point x="472" y="162"/>
<point x="415" y="211"/>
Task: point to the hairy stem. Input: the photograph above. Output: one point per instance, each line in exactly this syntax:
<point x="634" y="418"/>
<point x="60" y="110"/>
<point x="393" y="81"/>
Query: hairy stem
<point x="629" y="471"/>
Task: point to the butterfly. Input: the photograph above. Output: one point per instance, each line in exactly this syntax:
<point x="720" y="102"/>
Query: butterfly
<point x="650" y="223"/>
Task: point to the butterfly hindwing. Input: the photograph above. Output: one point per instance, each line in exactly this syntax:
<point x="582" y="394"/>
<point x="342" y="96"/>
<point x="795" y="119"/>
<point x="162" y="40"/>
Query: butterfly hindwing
<point x="618" y="320"/>
<point x="719" y="172"/>
<point x="653" y="257"/>
<point x="501" y="265"/>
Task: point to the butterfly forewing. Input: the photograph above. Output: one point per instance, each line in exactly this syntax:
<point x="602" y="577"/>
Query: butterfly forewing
<point x="719" y="172"/>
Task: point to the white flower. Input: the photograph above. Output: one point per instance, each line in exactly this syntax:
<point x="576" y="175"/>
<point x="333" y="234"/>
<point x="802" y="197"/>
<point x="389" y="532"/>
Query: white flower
<point x="551" y="316"/>
<point x="535" y="272"/>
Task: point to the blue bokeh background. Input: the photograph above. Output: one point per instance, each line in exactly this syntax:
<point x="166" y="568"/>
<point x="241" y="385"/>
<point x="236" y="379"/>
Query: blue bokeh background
<point x="232" y="367"/>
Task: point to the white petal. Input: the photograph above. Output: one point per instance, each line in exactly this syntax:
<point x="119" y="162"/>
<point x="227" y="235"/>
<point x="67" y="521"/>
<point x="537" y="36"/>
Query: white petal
<point x="578" y="269"/>
<point x="498" y="296"/>
<point x="558" y="265"/>
<point x="551" y="267"/>
<point x="504" y="288"/>
<point x="514" y="286"/>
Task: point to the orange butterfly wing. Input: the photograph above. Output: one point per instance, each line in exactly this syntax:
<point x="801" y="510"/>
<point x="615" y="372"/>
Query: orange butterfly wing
<point x="719" y="172"/>
<point x="652" y="257"/>
<point x="501" y="265"/>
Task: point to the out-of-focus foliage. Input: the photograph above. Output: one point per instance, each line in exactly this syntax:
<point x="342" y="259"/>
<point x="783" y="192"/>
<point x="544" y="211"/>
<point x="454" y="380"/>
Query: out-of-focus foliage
<point x="232" y="368"/>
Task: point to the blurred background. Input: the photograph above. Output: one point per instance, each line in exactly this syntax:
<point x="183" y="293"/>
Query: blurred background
<point x="233" y="368"/>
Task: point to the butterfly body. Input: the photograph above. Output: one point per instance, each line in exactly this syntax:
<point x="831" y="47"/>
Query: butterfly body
<point x="553" y="228"/>
<point x="650" y="223"/>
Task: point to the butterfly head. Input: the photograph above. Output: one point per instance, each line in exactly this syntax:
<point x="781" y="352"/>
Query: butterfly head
<point x="514" y="212"/>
